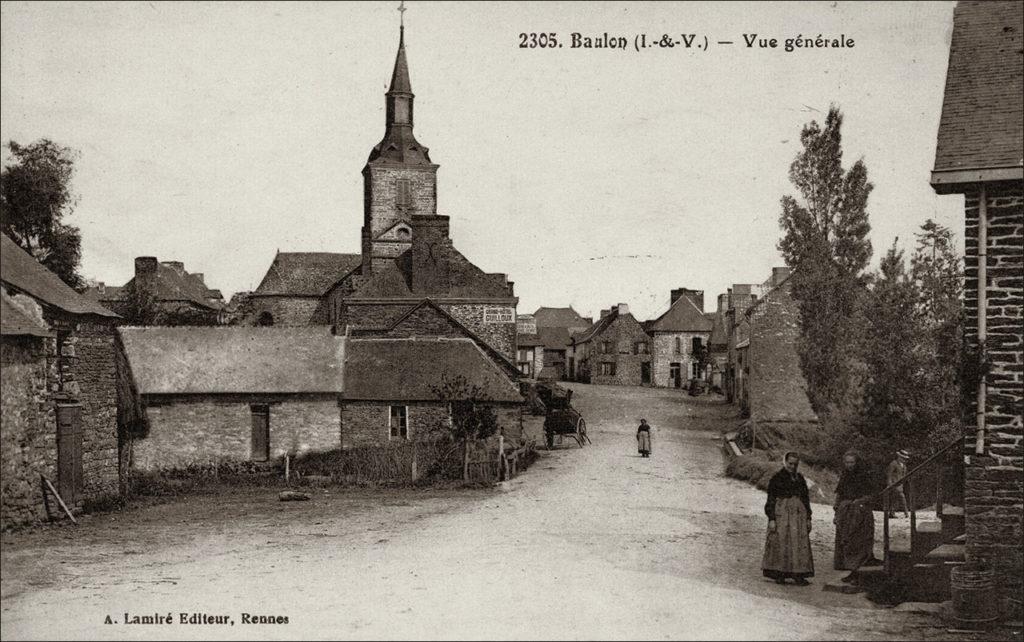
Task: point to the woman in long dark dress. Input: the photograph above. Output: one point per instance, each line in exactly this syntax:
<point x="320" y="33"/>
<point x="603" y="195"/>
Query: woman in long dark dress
<point x="855" y="523"/>
<point x="643" y="438"/>
<point x="787" y="549"/>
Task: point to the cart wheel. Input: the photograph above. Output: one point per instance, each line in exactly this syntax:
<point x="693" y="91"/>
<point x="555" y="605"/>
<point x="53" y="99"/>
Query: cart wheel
<point x="582" y="427"/>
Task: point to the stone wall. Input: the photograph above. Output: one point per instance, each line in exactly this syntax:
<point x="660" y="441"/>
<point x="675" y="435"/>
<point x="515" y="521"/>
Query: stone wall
<point x="663" y="354"/>
<point x="500" y="336"/>
<point x="91" y="353"/>
<point x="189" y="430"/>
<point x="291" y="310"/>
<point x="994" y="484"/>
<point x="776" y="389"/>
<point x="28" y="430"/>
<point x="75" y="366"/>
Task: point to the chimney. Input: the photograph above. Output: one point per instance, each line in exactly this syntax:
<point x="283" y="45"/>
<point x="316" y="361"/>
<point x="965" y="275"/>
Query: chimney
<point x="145" y="265"/>
<point x="605" y="313"/>
<point x="623" y="309"/>
<point x="779" y="274"/>
<point x="101" y="287"/>
<point x="431" y="270"/>
<point x="200" y="276"/>
<point x="696" y="296"/>
<point x="177" y="266"/>
<point x="723" y="302"/>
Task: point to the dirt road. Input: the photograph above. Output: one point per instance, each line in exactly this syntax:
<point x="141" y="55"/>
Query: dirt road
<point x="589" y="543"/>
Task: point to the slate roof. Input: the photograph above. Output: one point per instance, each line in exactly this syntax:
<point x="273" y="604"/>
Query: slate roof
<point x="410" y="369"/>
<point x="109" y="293"/>
<point x="525" y="340"/>
<point x="597" y="328"/>
<point x="681" y="316"/>
<point x="982" y="123"/>
<point x="16" y="321"/>
<point x="554" y="338"/>
<point x="23" y="272"/>
<point x="560" y="317"/>
<point x="306" y="273"/>
<point x="236" y="359"/>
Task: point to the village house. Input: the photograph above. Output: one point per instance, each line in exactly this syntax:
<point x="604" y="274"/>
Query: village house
<point x="616" y="350"/>
<point x="59" y="397"/>
<point x="175" y="296"/>
<point x="555" y="327"/>
<point x="207" y="396"/>
<point x="678" y="336"/>
<point x="740" y="296"/>
<point x="773" y="390"/>
<point x="293" y="289"/>
<point x="980" y="154"/>
<point x="529" y="355"/>
<point x="718" y="344"/>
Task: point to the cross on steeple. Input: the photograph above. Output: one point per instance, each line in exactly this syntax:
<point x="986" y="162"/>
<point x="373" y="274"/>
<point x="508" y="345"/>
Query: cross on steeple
<point x="401" y="14"/>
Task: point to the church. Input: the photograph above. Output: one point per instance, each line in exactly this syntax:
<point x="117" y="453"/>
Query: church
<point x="409" y="280"/>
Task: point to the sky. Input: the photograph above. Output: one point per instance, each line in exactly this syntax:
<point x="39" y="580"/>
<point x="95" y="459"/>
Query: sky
<point x="219" y="133"/>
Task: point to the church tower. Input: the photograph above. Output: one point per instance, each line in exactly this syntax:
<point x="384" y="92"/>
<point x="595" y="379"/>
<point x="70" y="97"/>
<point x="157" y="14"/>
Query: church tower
<point x="399" y="181"/>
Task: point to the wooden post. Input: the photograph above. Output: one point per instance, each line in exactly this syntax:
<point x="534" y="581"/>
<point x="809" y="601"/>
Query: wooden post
<point x="502" y="464"/>
<point x="287" y="467"/>
<point x="59" y="500"/>
<point x="415" y="473"/>
<point x="886" y="506"/>
<point x="465" y="460"/>
<point x="908" y="487"/>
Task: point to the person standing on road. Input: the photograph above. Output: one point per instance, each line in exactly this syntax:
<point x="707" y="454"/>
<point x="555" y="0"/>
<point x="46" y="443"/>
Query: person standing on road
<point x="643" y="438"/>
<point x="855" y="523"/>
<point x="896" y="471"/>
<point x="787" y="549"/>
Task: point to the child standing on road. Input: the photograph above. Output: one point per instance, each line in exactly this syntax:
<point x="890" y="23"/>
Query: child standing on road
<point x="643" y="438"/>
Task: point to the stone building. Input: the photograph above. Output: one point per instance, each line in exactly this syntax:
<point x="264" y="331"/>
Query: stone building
<point x="718" y="343"/>
<point x="740" y="297"/>
<point x="555" y="327"/>
<point x="293" y="289"/>
<point x="393" y="389"/>
<point x="529" y="355"/>
<point x="207" y="396"/>
<point x="177" y="296"/>
<point x="615" y="350"/>
<point x="774" y="390"/>
<point x="677" y="337"/>
<point x="59" y="399"/>
<point x="980" y="154"/>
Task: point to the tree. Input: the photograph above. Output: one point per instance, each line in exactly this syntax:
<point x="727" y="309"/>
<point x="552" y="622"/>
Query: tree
<point x="889" y="414"/>
<point x="937" y="270"/>
<point x="35" y="197"/>
<point x="825" y="243"/>
<point x="472" y="418"/>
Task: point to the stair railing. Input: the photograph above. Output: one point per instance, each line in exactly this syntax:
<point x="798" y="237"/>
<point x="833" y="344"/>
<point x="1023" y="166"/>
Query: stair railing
<point x="908" y="490"/>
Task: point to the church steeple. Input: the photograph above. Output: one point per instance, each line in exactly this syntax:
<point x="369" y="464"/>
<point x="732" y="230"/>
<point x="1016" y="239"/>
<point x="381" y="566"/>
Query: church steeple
<point x="399" y="144"/>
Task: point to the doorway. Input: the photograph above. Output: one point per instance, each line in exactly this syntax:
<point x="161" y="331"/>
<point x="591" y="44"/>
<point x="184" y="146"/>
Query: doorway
<point x="675" y="379"/>
<point x="69" y="452"/>
<point x="260" y="432"/>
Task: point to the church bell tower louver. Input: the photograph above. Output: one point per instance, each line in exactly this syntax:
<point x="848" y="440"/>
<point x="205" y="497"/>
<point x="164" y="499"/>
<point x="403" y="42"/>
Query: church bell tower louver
<point x="399" y="181"/>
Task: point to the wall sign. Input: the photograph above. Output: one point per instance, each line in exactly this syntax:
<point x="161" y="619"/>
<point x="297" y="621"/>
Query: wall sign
<point x="499" y="315"/>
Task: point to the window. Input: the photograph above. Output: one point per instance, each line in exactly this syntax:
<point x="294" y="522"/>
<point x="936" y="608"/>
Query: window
<point x="398" y="422"/>
<point x="526" y="368"/>
<point x="679" y="345"/>
<point x="608" y="369"/>
<point x="696" y="344"/>
<point x="403" y="192"/>
<point x="606" y="347"/>
<point x="524" y="354"/>
<point x="696" y="370"/>
<point x="640" y="347"/>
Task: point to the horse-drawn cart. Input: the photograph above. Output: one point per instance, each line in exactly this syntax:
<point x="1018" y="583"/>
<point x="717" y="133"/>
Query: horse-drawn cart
<point x="561" y="419"/>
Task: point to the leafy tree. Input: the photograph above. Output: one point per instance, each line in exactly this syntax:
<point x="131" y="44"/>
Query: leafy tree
<point x="472" y="418"/>
<point x="825" y="243"/>
<point x="937" y="270"/>
<point x="35" y="197"/>
<point x="889" y="413"/>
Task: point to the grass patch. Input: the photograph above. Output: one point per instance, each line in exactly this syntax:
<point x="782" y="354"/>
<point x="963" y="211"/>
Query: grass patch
<point x="758" y="469"/>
